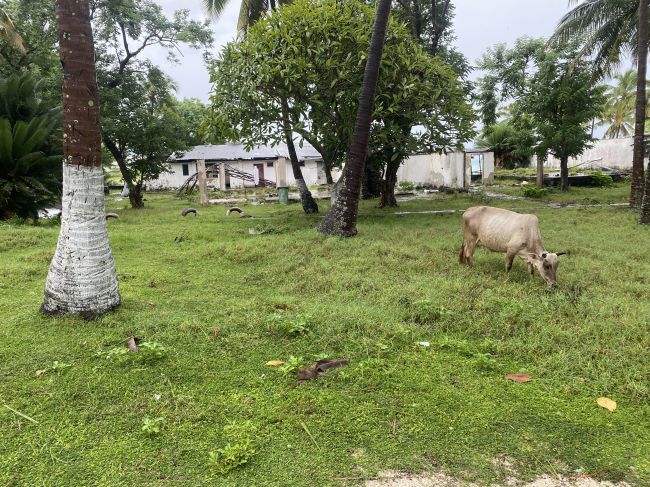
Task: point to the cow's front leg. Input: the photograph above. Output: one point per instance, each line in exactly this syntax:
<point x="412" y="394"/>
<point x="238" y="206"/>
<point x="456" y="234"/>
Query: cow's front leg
<point x="510" y="256"/>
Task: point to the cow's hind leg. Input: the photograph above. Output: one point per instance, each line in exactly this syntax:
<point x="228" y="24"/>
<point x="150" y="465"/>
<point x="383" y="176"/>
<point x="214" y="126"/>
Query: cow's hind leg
<point x="461" y="254"/>
<point x="510" y="256"/>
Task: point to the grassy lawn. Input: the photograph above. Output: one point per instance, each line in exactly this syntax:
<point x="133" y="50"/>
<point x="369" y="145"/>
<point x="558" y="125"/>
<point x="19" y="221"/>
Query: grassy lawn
<point x="220" y="302"/>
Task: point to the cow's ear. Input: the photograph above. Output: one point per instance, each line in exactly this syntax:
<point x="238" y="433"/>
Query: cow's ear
<point x="533" y="255"/>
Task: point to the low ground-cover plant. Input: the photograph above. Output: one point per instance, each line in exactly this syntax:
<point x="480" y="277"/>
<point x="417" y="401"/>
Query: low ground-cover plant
<point x="531" y="191"/>
<point x="396" y="399"/>
<point x="238" y="450"/>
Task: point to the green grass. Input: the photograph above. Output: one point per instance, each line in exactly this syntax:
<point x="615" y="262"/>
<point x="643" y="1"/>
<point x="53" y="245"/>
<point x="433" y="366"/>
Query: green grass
<point x="223" y="302"/>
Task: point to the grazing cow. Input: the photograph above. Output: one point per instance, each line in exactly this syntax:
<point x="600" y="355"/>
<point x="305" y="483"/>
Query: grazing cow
<point x="511" y="233"/>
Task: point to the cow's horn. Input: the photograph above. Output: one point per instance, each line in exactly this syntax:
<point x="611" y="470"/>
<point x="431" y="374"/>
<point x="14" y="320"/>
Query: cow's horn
<point x="560" y="253"/>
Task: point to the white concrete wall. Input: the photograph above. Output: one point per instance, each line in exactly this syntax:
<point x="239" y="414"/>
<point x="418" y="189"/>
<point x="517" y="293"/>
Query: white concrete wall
<point x="488" y="168"/>
<point x="173" y="179"/>
<point x="435" y="170"/>
<point x="312" y="172"/>
<point x="614" y="153"/>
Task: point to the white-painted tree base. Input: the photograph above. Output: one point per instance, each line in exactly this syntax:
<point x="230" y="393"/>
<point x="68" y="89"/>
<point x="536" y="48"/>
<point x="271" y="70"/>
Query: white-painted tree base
<point x="82" y="277"/>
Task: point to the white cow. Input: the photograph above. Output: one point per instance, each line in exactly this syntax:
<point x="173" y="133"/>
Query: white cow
<point x="510" y="233"/>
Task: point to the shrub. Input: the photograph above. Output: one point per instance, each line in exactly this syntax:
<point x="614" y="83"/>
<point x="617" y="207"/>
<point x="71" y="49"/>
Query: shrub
<point x="601" y="180"/>
<point x="534" y="192"/>
<point x="406" y="186"/>
<point x="30" y="154"/>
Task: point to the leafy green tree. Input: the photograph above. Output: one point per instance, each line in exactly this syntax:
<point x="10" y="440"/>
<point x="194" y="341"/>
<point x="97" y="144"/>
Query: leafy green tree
<point x="125" y="30"/>
<point x="432" y="26"/>
<point x="553" y="95"/>
<point x="193" y="113"/>
<point x="137" y="110"/>
<point x="561" y="103"/>
<point x="320" y="75"/>
<point x="9" y="34"/>
<point x="250" y="12"/>
<point x="30" y="149"/>
<point x="36" y="25"/>
<point x="143" y="126"/>
<point x="609" y="30"/>
<point x="341" y="219"/>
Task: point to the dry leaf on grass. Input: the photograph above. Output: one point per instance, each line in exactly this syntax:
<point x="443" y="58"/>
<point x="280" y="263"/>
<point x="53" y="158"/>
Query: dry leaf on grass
<point x="274" y="363"/>
<point x="39" y="373"/>
<point x="518" y="377"/>
<point x="607" y="403"/>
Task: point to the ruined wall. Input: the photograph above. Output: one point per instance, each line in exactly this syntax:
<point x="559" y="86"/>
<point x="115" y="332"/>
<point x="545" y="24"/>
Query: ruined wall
<point x="434" y="169"/>
<point x="452" y="170"/>
<point x="612" y="153"/>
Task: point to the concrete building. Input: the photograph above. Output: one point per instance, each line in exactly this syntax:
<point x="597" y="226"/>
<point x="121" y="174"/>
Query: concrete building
<point x="261" y="166"/>
<point x="232" y="166"/>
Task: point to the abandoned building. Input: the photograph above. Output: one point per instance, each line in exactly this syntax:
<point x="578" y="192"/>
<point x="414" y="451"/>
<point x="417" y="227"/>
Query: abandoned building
<point x="231" y="166"/>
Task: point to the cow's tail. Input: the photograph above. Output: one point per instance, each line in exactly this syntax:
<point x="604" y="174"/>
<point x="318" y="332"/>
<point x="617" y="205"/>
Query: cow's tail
<point x="461" y="254"/>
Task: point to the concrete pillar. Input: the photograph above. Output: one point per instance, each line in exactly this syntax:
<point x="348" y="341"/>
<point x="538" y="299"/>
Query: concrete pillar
<point x="281" y="172"/>
<point x="203" y="182"/>
<point x="222" y="176"/>
<point x="467" y="170"/>
<point x="488" y="168"/>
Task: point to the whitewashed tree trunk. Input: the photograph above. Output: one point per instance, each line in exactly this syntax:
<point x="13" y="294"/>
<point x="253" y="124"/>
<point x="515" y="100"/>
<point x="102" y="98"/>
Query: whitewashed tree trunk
<point x="82" y="277"/>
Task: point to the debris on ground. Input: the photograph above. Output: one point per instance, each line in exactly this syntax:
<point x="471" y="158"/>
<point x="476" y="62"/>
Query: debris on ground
<point x="319" y="368"/>
<point x="518" y="377"/>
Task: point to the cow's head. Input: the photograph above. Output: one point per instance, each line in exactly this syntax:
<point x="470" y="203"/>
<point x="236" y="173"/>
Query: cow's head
<point x="546" y="264"/>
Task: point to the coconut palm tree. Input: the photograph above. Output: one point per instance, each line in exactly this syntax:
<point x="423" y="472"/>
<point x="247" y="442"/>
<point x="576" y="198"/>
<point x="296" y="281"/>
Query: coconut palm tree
<point x="618" y="115"/>
<point x="610" y="30"/>
<point x="250" y="12"/>
<point x="82" y="278"/>
<point x="341" y="220"/>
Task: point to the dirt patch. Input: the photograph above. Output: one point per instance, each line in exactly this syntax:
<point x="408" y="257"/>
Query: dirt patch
<point x="397" y="479"/>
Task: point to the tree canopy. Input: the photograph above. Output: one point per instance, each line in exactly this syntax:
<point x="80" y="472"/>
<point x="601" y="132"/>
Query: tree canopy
<point x="312" y="53"/>
<point x="552" y="94"/>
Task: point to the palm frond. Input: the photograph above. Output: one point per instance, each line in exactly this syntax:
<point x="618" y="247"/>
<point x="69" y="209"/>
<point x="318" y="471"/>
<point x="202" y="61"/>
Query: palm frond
<point x="9" y="33"/>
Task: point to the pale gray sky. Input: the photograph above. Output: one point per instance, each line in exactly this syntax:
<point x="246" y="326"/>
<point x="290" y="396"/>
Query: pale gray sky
<point x="479" y="24"/>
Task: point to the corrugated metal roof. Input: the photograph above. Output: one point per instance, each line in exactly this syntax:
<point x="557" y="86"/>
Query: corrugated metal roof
<point x="233" y="152"/>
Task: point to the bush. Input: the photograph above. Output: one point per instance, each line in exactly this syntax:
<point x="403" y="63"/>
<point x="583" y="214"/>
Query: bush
<point x="406" y="186"/>
<point x="534" y="192"/>
<point x="30" y="154"/>
<point x="601" y="180"/>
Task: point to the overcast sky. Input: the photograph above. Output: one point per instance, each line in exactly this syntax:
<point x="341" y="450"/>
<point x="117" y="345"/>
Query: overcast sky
<point x="479" y="24"/>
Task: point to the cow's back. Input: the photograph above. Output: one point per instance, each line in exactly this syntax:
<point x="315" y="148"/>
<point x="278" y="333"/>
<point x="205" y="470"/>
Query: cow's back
<point x="497" y="229"/>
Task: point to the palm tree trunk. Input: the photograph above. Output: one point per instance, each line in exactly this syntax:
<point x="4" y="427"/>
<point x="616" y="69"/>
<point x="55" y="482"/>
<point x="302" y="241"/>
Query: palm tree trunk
<point x="636" y="194"/>
<point x="645" y="205"/>
<point x="342" y="217"/>
<point x="82" y="277"/>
